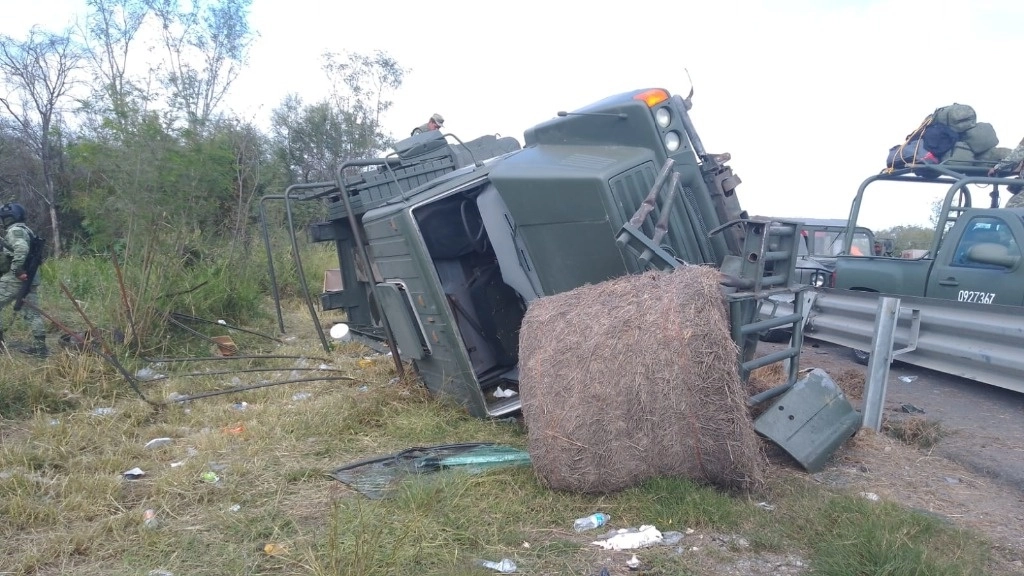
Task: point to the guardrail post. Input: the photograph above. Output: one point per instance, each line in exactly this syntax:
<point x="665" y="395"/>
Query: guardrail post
<point x="878" y="365"/>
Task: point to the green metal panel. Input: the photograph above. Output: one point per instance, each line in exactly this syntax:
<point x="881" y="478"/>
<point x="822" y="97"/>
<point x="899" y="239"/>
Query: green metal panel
<point x="882" y="274"/>
<point x="404" y="326"/>
<point x="810" y="421"/>
<point x="569" y="255"/>
<point x="560" y="199"/>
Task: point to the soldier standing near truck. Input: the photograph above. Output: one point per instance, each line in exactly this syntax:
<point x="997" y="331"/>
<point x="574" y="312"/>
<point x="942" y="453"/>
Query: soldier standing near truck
<point x="1013" y="162"/>
<point x="435" y="123"/>
<point x="18" y="271"/>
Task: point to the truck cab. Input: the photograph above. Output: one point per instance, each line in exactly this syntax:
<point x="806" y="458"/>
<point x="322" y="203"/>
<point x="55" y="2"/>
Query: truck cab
<point x="973" y="256"/>
<point x="445" y="246"/>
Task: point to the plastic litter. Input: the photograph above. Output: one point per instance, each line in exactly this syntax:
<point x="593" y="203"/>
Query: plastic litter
<point x="500" y="393"/>
<point x="628" y="539"/>
<point x="590" y="522"/>
<point x="102" y="411"/>
<point x="301" y="396"/>
<point x="506" y="566"/>
<point x="209" y="477"/>
<point x="134" y="473"/>
<point x="158" y="442"/>
<point x="149" y="519"/>
<point x="633" y="563"/>
<point x="908" y="379"/>
<point x="148" y="374"/>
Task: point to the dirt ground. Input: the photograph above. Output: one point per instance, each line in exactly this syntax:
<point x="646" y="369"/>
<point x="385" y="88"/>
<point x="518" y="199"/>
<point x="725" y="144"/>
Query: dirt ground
<point x="945" y="483"/>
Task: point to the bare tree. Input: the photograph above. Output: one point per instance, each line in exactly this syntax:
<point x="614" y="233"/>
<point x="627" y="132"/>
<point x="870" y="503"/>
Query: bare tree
<point x="217" y="34"/>
<point x="38" y="73"/>
<point x="113" y="24"/>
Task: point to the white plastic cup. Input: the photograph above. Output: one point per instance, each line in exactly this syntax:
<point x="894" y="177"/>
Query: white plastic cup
<point x="340" y="333"/>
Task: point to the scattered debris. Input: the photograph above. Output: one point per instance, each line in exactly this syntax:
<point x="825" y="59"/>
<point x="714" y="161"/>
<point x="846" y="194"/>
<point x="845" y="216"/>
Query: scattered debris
<point x="149" y="519"/>
<point x="209" y="477"/>
<point x="870" y="496"/>
<point x="506" y="566"/>
<point x="911" y="409"/>
<point x="376" y="477"/>
<point x="103" y="411"/>
<point x="145" y="374"/>
<point x="766" y="506"/>
<point x="627" y="539"/>
<point x="633" y="563"/>
<point x="274" y="549"/>
<point x="299" y="396"/>
<point x="500" y="393"/>
<point x="133" y="474"/>
<point x="158" y="442"/>
<point x="908" y="379"/>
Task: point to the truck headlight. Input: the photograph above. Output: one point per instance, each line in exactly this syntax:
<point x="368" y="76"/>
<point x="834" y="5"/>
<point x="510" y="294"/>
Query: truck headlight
<point x="663" y="117"/>
<point x="818" y="279"/>
<point x="672" y="141"/>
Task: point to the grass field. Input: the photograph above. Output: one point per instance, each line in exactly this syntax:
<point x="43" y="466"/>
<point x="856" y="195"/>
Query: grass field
<point x="67" y="437"/>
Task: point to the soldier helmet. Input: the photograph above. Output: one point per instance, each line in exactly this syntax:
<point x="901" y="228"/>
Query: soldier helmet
<point x="12" y="210"/>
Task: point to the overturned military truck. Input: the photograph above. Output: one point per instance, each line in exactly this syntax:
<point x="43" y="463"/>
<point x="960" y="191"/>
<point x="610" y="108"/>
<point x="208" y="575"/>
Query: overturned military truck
<point x="443" y="245"/>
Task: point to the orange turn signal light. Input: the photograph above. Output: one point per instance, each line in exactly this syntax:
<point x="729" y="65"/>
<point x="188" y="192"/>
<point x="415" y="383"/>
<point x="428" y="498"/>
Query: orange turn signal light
<point x="652" y="97"/>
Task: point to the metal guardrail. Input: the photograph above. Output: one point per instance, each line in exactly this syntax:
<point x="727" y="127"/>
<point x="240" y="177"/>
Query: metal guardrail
<point x="978" y="342"/>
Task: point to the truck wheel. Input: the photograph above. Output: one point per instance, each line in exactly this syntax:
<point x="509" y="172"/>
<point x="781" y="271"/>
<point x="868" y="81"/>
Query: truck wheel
<point x="775" y="335"/>
<point x="861" y="357"/>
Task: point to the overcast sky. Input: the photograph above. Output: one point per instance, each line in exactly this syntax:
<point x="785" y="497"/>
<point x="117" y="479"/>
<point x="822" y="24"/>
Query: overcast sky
<point x="808" y="97"/>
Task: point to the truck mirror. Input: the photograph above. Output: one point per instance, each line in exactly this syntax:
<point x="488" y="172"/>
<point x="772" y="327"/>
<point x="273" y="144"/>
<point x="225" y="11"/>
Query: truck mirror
<point x="991" y="253"/>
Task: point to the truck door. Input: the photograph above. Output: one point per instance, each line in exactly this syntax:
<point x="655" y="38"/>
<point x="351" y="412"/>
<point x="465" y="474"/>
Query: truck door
<point x="984" y="264"/>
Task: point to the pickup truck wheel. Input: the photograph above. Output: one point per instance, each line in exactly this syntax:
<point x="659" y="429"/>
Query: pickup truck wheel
<point x="775" y="335"/>
<point x="861" y="357"/>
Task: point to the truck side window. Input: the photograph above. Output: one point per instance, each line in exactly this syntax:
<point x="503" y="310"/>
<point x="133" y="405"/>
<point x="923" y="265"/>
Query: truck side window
<point x="984" y="230"/>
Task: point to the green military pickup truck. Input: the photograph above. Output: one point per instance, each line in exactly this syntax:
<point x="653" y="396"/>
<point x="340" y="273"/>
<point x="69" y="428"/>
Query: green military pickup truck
<point x="975" y="252"/>
<point x="974" y="256"/>
<point x="976" y="261"/>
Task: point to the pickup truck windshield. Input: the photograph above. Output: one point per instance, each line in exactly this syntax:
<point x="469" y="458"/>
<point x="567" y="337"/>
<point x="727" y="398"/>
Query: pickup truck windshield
<point x="830" y="243"/>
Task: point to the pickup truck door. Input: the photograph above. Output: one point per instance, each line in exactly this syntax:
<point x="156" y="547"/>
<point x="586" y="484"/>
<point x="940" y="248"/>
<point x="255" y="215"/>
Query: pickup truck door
<point x="956" y="276"/>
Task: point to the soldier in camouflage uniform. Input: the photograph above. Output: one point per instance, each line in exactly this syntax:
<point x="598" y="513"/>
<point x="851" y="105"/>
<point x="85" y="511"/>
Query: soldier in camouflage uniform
<point x="436" y="122"/>
<point x="1012" y="162"/>
<point x="12" y="265"/>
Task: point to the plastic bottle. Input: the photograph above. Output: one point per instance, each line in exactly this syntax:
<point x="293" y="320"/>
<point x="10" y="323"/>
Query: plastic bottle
<point x="591" y="522"/>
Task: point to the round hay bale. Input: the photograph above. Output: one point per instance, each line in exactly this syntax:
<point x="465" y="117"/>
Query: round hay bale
<point x="633" y="378"/>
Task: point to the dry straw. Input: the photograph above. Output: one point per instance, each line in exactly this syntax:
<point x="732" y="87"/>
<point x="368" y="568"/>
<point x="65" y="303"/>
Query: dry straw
<point x="633" y="378"/>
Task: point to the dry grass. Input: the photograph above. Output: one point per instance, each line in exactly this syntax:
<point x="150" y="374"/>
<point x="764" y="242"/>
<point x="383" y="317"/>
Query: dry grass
<point x="65" y="507"/>
<point x="916" y="430"/>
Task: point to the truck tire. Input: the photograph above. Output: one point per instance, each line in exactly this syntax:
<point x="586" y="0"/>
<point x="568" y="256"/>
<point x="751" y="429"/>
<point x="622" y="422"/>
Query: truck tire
<point x="775" y="335"/>
<point x="861" y="357"/>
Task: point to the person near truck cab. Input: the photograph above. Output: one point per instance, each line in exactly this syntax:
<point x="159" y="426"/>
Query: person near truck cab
<point x="14" y="252"/>
<point x="435" y="123"/>
<point x="1011" y="162"/>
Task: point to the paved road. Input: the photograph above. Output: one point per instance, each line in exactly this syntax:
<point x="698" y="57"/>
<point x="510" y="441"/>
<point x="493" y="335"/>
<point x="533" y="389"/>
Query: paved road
<point x="986" y="423"/>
